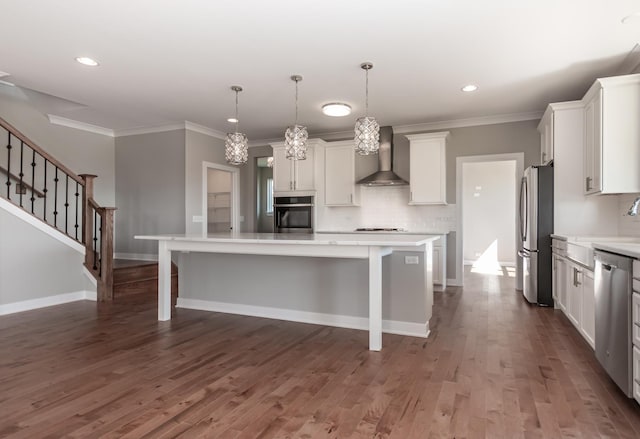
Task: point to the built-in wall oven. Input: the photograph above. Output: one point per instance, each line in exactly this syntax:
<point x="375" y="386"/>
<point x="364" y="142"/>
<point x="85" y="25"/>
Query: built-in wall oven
<point x="293" y="214"/>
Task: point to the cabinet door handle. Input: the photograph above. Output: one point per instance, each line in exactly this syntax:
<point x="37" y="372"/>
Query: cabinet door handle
<point x="588" y="182"/>
<point x="410" y="195"/>
<point x="544" y="156"/>
<point x="351" y="198"/>
<point x="575" y="277"/>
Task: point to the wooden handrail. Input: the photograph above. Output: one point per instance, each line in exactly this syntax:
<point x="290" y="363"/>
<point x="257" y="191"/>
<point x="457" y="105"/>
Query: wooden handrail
<point x="16" y="133"/>
<point x="24" y="183"/>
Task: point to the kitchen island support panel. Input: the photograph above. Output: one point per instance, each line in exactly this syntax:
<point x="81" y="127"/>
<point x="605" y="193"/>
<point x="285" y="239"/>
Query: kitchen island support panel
<point x="372" y="249"/>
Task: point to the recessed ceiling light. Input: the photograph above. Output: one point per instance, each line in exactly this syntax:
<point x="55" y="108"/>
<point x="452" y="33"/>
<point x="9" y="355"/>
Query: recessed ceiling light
<point x="85" y="60"/>
<point x="633" y="18"/>
<point x="336" y="109"/>
<point x="469" y="88"/>
<point x="232" y="120"/>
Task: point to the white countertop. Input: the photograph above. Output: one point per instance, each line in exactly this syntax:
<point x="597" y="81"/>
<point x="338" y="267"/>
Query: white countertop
<point x="631" y="249"/>
<point x="351" y="239"/>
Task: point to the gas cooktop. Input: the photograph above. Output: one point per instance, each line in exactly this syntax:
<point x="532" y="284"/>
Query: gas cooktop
<point x="379" y="229"/>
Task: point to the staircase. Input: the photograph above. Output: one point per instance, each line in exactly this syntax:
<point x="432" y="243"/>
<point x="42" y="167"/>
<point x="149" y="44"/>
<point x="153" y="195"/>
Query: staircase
<point x="139" y="279"/>
<point x="55" y="197"/>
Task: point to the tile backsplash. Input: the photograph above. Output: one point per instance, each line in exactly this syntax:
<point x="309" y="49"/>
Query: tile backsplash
<point x="387" y="207"/>
<point x="627" y="225"/>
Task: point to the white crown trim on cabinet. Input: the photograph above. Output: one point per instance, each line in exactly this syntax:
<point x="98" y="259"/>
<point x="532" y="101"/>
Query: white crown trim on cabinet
<point x="70" y="123"/>
<point x="388" y="326"/>
<point x="470" y="122"/>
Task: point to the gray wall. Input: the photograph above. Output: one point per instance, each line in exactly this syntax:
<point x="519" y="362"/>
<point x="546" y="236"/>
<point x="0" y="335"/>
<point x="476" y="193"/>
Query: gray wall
<point x="470" y="141"/>
<point x="248" y="185"/>
<point x="265" y="222"/>
<point x="81" y="151"/>
<point x="150" y="188"/>
<point x="35" y="265"/>
<point x="199" y="148"/>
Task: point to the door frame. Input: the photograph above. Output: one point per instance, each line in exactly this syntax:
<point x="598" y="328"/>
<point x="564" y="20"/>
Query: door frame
<point x="518" y="157"/>
<point x="235" y="194"/>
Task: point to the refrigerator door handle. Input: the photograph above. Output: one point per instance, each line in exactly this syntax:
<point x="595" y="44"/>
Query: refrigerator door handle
<point x="523" y="254"/>
<point x="524" y="214"/>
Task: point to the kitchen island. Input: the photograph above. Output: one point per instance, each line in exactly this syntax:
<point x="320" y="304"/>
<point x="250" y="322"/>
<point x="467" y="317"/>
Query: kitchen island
<point x="370" y="248"/>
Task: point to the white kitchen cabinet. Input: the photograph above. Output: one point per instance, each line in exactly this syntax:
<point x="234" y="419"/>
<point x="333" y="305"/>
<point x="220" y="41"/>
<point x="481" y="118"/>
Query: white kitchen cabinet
<point x="293" y="176"/>
<point x="427" y="167"/>
<point x="340" y="188"/>
<point x="574" y="295"/>
<point x="440" y="263"/>
<point x="612" y="136"/>
<point x="588" y="315"/>
<point x="560" y="282"/>
<point x="545" y="128"/>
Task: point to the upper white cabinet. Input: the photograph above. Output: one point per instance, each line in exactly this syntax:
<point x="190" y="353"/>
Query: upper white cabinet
<point x="546" y="136"/>
<point x="291" y="176"/>
<point x="427" y="165"/>
<point x="340" y="187"/>
<point x="612" y="136"/>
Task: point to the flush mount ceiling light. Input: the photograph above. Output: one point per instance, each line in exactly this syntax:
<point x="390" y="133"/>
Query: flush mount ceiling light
<point x="367" y="130"/>
<point x="233" y="120"/>
<point x="236" y="145"/>
<point x="336" y="109"/>
<point x="85" y="60"/>
<point x="295" y="138"/>
<point x="469" y="88"/>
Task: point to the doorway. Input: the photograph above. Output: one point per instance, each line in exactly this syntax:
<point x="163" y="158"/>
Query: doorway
<point x="264" y="194"/>
<point x="487" y="215"/>
<point x="220" y="198"/>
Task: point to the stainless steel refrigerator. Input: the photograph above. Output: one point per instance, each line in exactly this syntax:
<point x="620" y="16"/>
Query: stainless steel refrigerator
<point x="536" y="227"/>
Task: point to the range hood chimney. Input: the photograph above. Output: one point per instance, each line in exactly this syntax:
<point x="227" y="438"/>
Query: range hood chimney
<point x="385" y="175"/>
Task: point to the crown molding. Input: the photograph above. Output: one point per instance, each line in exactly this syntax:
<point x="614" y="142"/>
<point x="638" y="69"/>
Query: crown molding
<point x="191" y="126"/>
<point x="470" y="122"/>
<point x="70" y="123"/>
<point x="149" y="130"/>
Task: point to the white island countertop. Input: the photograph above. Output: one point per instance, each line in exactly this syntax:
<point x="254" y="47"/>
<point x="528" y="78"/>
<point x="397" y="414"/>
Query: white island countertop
<point x="347" y="239"/>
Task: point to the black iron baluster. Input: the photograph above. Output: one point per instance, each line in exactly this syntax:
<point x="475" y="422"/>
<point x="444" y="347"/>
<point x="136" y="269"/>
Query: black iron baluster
<point x="9" y="166"/>
<point x="44" y="191"/>
<point x="76" y="225"/>
<point x="55" y="199"/>
<point x="33" y="181"/>
<point x="66" y="205"/>
<point x="95" y="239"/>
<point x="21" y="175"/>
<point x="100" y="248"/>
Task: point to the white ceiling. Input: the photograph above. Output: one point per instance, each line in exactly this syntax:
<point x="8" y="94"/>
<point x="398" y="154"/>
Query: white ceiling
<point x="166" y="61"/>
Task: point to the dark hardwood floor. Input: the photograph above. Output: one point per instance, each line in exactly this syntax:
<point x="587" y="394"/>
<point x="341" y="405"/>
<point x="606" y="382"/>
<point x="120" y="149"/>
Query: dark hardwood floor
<point x="493" y="367"/>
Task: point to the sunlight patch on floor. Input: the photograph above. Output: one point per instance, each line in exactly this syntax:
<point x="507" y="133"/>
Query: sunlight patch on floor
<point x="488" y="263"/>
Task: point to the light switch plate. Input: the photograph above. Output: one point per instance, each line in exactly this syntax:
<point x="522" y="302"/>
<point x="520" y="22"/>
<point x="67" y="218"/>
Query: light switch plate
<point x="197" y="219"/>
<point x="411" y="260"/>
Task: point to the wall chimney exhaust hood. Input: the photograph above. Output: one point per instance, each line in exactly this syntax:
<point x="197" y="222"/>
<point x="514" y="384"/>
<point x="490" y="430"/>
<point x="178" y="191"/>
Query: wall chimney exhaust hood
<point x="385" y="175"/>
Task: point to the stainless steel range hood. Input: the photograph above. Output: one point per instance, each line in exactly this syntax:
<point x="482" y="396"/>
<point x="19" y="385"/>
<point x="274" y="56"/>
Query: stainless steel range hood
<point x="385" y="175"/>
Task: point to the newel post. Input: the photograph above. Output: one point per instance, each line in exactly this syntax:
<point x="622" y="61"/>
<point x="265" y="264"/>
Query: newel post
<point x="87" y="218"/>
<point x="105" y="292"/>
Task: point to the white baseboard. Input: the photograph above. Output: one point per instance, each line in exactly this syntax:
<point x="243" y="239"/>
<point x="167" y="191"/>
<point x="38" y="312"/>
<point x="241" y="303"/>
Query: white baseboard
<point x="453" y="283"/>
<point x="136" y="256"/>
<point x="43" y="302"/>
<point x="388" y="326"/>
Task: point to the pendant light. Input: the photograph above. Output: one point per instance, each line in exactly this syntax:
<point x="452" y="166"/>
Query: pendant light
<point x="236" y="145"/>
<point x="367" y="130"/>
<point x="295" y="138"/>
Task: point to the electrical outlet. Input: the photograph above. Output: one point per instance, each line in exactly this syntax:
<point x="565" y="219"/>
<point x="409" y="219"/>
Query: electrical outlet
<point x="411" y="260"/>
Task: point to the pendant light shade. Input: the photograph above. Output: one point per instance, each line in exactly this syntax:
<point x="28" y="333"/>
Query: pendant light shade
<point x="367" y="129"/>
<point x="295" y="138"/>
<point x="236" y="145"/>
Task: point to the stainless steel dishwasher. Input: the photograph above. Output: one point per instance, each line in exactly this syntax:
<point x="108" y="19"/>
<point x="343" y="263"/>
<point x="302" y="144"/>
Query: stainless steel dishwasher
<point x="613" y="292"/>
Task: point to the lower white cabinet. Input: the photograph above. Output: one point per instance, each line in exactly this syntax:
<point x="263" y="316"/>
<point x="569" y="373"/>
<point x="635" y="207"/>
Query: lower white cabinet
<point x="560" y="282"/>
<point x="574" y="294"/>
<point x="636" y="373"/>
<point x="440" y="263"/>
